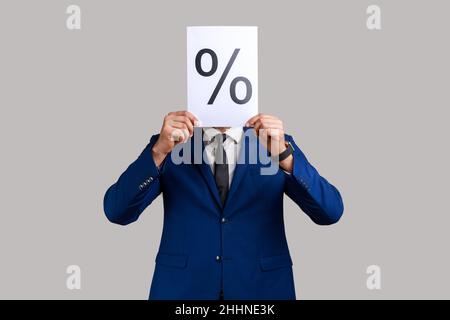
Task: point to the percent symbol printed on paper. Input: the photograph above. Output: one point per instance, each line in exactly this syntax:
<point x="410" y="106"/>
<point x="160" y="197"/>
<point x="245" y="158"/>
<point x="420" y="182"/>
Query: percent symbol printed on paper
<point x="234" y="82"/>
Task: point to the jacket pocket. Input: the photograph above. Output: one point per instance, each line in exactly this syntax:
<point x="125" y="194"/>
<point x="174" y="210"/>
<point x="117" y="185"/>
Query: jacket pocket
<point x="171" y="260"/>
<point x="276" y="262"/>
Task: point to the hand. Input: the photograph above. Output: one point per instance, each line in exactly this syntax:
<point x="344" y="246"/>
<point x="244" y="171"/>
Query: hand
<point x="270" y="131"/>
<point x="177" y="128"/>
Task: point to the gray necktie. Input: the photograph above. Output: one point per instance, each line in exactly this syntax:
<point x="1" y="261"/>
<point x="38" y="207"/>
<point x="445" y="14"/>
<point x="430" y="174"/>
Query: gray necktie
<point x="221" y="168"/>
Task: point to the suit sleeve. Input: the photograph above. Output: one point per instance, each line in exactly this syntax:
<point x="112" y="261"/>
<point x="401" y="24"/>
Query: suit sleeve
<point x="135" y="189"/>
<point x="318" y="198"/>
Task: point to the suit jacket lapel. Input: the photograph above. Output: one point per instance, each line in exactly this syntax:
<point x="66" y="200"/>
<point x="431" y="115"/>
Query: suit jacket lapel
<point x="203" y="167"/>
<point x="241" y="168"/>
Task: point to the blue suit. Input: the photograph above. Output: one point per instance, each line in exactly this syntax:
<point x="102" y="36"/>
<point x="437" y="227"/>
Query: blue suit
<point x="239" y="247"/>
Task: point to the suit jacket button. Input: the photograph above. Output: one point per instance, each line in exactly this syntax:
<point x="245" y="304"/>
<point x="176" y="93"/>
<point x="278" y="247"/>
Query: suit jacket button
<point x="224" y="220"/>
<point x="218" y="258"/>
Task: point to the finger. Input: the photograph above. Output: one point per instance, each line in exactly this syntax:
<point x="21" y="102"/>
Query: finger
<point x="179" y="125"/>
<point x="265" y="124"/>
<point x="275" y="132"/>
<point x="263" y="133"/>
<point x="264" y="137"/>
<point x="268" y="117"/>
<point x="186" y="121"/>
<point x="176" y="135"/>
<point x="185" y="114"/>
<point x="179" y="135"/>
<point x="186" y="135"/>
<point x="271" y="123"/>
<point x="259" y="116"/>
<point x="270" y="132"/>
<point x="250" y="122"/>
<point x="259" y="123"/>
<point x="183" y="125"/>
<point x="257" y="126"/>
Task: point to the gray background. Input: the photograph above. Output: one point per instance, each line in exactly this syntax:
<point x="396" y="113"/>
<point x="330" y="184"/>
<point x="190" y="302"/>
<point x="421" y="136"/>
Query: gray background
<point x="370" y="110"/>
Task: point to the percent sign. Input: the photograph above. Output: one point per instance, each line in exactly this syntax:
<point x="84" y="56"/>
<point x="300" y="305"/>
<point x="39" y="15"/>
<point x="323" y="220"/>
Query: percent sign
<point x="234" y="82"/>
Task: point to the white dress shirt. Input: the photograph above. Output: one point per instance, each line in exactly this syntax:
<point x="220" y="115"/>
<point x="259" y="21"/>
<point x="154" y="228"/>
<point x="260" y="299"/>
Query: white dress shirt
<point x="232" y="146"/>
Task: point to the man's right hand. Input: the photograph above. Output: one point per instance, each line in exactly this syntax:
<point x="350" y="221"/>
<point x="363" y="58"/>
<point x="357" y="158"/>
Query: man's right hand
<point x="177" y="128"/>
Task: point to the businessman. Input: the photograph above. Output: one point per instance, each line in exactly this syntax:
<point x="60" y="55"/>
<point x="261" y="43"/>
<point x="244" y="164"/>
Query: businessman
<point x="223" y="235"/>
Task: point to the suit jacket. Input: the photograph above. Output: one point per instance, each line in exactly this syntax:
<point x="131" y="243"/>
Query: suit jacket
<point x="240" y="247"/>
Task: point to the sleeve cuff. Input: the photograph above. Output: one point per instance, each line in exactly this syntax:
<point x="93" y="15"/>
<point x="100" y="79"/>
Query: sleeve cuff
<point x="299" y="170"/>
<point x="145" y="165"/>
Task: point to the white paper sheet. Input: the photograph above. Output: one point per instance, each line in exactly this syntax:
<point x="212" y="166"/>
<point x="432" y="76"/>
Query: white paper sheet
<point x="237" y="99"/>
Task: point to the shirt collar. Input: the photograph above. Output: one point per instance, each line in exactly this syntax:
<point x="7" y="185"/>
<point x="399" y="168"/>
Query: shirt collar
<point x="235" y="133"/>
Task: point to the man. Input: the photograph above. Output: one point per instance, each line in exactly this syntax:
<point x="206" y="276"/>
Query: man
<point x="223" y="235"/>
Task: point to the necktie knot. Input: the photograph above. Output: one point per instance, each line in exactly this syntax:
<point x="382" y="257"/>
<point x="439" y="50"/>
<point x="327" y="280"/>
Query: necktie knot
<point x="220" y="138"/>
<point x="220" y="154"/>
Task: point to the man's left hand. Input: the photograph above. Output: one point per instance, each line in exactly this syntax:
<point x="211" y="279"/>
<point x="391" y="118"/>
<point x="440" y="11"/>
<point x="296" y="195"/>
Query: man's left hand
<point x="270" y="131"/>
